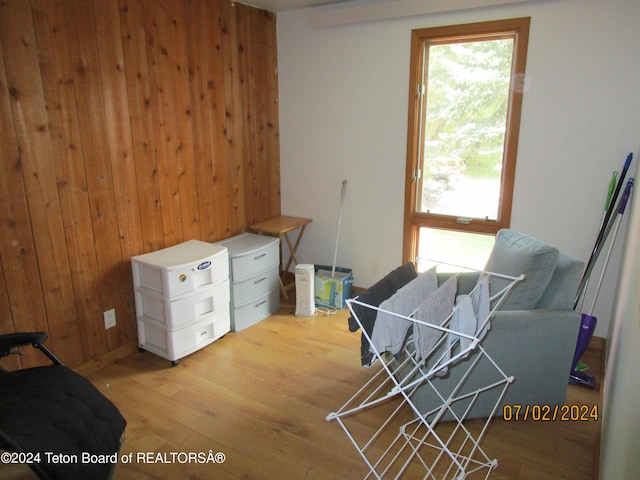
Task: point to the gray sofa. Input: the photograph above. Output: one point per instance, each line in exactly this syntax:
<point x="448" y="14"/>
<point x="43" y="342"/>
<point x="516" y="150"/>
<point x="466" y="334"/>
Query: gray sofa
<point x="533" y="335"/>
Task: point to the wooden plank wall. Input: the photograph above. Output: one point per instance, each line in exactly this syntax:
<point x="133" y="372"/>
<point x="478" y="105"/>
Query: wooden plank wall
<point x="125" y="126"/>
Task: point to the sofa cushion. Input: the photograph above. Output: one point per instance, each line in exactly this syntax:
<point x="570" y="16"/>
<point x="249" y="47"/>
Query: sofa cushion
<point x="562" y="289"/>
<point x="515" y="253"/>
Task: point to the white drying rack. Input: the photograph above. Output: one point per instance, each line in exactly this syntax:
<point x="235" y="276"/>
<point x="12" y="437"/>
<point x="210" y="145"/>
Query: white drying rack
<point x="396" y="439"/>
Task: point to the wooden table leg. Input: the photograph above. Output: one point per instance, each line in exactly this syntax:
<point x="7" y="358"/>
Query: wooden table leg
<point x="293" y="249"/>
<point x="283" y="289"/>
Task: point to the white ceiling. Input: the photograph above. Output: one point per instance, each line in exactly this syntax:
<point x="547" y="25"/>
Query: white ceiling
<point x="345" y="11"/>
<point x="283" y="5"/>
<point x="341" y="12"/>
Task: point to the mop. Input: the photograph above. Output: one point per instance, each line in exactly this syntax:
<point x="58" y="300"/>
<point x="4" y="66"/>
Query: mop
<point x="335" y="250"/>
<point x="581" y="366"/>
<point x="334" y="284"/>
<point x="588" y="321"/>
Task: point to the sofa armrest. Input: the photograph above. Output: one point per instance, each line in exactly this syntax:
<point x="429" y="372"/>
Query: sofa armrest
<point x="536" y="347"/>
<point x="523" y="327"/>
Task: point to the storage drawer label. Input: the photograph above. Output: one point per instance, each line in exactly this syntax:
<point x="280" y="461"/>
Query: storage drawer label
<point x="204" y="265"/>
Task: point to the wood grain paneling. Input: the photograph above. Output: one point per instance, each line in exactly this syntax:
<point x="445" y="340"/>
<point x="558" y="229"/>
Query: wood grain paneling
<point x="125" y="126"/>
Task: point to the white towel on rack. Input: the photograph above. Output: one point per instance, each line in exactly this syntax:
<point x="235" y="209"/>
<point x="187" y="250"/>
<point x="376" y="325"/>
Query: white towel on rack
<point x="435" y="309"/>
<point x="390" y="331"/>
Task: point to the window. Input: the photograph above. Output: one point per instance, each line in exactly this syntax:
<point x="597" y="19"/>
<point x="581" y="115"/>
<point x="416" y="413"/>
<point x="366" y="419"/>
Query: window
<point x="466" y="87"/>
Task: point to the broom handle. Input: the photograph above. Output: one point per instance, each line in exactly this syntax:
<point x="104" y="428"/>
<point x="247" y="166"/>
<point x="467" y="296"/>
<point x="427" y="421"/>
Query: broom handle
<point x="613" y="199"/>
<point x="610" y="189"/>
<point x="620" y="207"/>
<point x="335" y="251"/>
<point x="611" y="244"/>
<point x="604" y="231"/>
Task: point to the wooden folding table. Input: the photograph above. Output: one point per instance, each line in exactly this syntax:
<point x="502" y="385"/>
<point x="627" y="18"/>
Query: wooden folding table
<point x="280" y="227"/>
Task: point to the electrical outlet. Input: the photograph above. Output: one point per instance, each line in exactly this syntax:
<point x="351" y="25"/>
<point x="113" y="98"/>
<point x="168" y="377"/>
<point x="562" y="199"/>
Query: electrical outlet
<point x="109" y="318"/>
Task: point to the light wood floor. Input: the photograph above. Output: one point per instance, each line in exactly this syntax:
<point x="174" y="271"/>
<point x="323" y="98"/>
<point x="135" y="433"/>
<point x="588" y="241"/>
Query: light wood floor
<point x="261" y="396"/>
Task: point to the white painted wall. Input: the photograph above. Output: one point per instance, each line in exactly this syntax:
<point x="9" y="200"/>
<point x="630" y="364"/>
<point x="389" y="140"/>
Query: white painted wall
<point x="343" y="115"/>
<point x="620" y="421"/>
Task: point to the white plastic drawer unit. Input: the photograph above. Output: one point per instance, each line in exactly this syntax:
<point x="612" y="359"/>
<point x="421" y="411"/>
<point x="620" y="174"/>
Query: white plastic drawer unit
<point x="182" y="297"/>
<point x="180" y="269"/>
<point x="250" y="254"/>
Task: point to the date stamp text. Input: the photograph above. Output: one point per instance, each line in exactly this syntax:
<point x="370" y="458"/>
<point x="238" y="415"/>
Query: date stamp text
<point x="550" y="413"/>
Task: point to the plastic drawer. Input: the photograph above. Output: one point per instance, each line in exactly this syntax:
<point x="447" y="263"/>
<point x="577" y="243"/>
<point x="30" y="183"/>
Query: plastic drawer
<point x="181" y="269"/>
<point x="246" y="315"/>
<point x="251" y="254"/>
<point x="175" y="344"/>
<point x="258" y="286"/>
<point x="186" y="309"/>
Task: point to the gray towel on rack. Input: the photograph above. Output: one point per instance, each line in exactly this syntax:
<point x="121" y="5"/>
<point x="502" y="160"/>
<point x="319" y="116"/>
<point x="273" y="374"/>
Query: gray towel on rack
<point x="463" y="321"/>
<point x="435" y="309"/>
<point x="480" y="297"/>
<point x="389" y="331"/>
<point x="376" y="294"/>
<point x="471" y="312"/>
